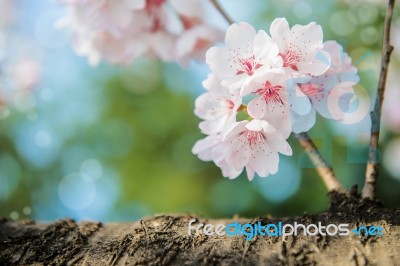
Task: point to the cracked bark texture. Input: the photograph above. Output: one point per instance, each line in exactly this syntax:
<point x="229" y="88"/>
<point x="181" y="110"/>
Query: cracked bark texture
<point x="164" y="240"/>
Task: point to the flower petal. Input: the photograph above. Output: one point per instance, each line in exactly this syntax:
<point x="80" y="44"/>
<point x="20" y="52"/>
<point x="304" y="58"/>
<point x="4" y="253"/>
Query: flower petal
<point x="250" y="172"/>
<point x="316" y="65"/>
<point x="278" y="30"/>
<point x="239" y="35"/>
<point x="257" y="107"/>
<point x="303" y="123"/>
<point x="299" y="102"/>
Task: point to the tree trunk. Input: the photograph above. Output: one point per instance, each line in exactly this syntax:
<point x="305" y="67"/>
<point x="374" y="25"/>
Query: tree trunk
<point x="164" y="240"/>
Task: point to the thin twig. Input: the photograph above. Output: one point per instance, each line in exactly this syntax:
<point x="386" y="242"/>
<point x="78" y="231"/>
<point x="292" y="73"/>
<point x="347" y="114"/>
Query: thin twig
<point x="222" y="12"/>
<point x="324" y="169"/>
<point x="372" y="170"/>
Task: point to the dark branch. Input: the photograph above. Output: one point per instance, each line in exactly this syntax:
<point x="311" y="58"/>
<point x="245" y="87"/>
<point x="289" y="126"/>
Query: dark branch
<point x="165" y="240"/>
<point x="372" y="170"/>
<point x="222" y="12"/>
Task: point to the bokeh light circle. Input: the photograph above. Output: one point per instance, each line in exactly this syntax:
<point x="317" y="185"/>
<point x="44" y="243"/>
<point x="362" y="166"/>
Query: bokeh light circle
<point x="76" y="192"/>
<point x="43" y="138"/>
<point x="92" y="169"/>
<point x="282" y="185"/>
<point x="343" y="23"/>
<point x="302" y="9"/>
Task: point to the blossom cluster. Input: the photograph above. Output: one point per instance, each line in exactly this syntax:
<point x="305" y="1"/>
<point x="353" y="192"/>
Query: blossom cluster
<point x="265" y="86"/>
<point x="170" y="30"/>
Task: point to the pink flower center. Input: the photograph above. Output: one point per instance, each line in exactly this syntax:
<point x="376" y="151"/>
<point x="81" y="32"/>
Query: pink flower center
<point x="290" y="59"/>
<point x="247" y="65"/>
<point x="156" y="3"/>
<point x="254" y="137"/>
<point x="231" y="104"/>
<point x="105" y="5"/>
<point x="153" y="9"/>
<point x="256" y="141"/>
<point x="314" y="91"/>
<point x="189" y="22"/>
<point x="271" y="94"/>
<point x="157" y="25"/>
<point x="201" y="45"/>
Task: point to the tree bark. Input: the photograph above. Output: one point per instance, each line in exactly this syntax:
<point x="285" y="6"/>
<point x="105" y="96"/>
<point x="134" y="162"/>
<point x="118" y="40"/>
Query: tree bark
<point x="164" y="240"/>
<point x="372" y="171"/>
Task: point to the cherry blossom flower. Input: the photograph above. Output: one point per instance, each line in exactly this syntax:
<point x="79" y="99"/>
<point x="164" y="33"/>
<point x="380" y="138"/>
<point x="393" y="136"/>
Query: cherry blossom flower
<point x="217" y="107"/>
<point x="336" y="85"/>
<point x="247" y="54"/>
<point x="252" y="145"/>
<point x="255" y="146"/>
<point x="119" y="32"/>
<point x="196" y="35"/>
<point x="210" y="149"/>
<point x="194" y="41"/>
<point x="300" y="47"/>
<point x="271" y="101"/>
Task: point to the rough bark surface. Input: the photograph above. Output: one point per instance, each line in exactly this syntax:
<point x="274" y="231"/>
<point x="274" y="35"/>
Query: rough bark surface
<point x="164" y="240"/>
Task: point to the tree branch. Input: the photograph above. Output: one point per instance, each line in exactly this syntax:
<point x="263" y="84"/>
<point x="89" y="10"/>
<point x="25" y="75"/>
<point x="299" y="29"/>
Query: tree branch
<point x="222" y="12"/>
<point x="165" y="240"/>
<point x="372" y="170"/>
<point x="324" y="169"/>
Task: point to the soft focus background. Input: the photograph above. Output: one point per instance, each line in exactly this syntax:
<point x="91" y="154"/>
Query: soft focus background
<point x="114" y="143"/>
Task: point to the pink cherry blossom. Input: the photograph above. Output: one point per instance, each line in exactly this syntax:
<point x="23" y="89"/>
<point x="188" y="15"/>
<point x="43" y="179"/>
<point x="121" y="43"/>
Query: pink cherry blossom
<point x="247" y="54"/>
<point x="271" y="101"/>
<point x="255" y="146"/>
<point x="217" y="107"/>
<point x="338" y="79"/>
<point x="194" y="41"/>
<point x="210" y="149"/>
<point x="103" y="14"/>
<point x="121" y="31"/>
<point x="117" y="32"/>
<point x="300" y="47"/>
<point x="334" y="85"/>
